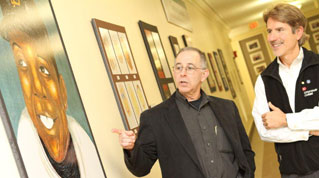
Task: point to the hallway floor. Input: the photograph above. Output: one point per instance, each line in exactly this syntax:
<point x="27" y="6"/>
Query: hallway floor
<point x="266" y="159"/>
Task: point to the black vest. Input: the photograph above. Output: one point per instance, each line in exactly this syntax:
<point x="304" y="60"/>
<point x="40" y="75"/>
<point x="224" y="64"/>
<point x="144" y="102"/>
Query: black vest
<point x="300" y="157"/>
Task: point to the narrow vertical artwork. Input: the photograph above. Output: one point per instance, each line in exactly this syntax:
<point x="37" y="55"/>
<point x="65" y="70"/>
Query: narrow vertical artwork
<point x="231" y="87"/>
<point x="221" y="70"/>
<point x="124" y="77"/>
<point x="211" y="77"/>
<point x="158" y="59"/>
<point x="174" y="44"/>
<point x="215" y="71"/>
<point x="45" y="112"/>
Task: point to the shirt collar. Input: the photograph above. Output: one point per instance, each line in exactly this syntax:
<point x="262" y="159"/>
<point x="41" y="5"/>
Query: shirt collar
<point x="296" y="62"/>
<point x="180" y="97"/>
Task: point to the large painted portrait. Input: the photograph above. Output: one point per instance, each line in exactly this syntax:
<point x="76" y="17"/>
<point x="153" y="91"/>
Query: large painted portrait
<point x="124" y="77"/>
<point x="44" y="107"/>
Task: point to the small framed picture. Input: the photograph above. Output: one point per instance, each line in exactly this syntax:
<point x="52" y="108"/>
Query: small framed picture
<point x="187" y="41"/>
<point x="314" y="25"/>
<point x="316" y="37"/>
<point x="256" y="57"/>
<point x="259" y="68"/>
<point x="253" y="45"/>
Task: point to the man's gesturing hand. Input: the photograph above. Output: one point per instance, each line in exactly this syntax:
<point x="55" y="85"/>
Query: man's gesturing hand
<point x="127" y="138"/>
<point x="275" y="118"/>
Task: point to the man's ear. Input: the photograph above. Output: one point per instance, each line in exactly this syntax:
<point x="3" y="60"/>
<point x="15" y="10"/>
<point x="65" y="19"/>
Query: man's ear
<point x="299" y="31"/>
<point x="204" y="75"/>
<point x="64" y="97"/>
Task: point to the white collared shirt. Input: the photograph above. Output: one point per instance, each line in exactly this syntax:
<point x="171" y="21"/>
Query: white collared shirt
<point x="299" y="123"/>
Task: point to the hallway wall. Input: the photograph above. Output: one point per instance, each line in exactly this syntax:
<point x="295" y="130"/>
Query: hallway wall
<point x="74" y="20"/>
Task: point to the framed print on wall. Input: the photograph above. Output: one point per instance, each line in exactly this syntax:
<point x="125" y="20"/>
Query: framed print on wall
<point x="259" y="68"/>
<point x="230" y="84"/>
<point x="217" y="76"/>
<point x="256" y="57"/>
<point x="221" y="70"/>
<point x="158" y="59"/>
<point x="314" y="25"/>
<point x="121" y="68"/>
<point x="253" y="45"/>
<point x="313" y="31"/>
<point x="175" y="46"/>
<point x="210" y="79"/>
<point x="176" y="13"/>
<point x="316" y="37"/>
<point x="44" y="106"/>
<point x="187" y="41"/>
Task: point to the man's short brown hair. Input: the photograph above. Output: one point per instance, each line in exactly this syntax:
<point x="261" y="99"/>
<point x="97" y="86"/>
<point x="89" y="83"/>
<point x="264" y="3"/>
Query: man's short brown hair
<point x="291" y="15"/>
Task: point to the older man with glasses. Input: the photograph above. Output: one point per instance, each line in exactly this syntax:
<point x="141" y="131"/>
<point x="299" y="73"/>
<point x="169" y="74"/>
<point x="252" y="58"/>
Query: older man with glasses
<point x="191" y="134"/>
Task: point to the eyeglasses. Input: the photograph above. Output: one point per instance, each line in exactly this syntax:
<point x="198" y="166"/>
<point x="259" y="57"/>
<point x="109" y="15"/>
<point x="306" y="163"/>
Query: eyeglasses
<point x="190" y="69"/>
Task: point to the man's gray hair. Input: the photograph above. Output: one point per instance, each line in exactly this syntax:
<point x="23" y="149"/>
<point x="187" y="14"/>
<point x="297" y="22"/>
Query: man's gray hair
<point x="201" y="55"/>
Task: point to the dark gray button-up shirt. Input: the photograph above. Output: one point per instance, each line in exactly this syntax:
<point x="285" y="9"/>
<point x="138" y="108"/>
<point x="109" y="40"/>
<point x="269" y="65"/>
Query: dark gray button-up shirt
<point x="211" y="144"/>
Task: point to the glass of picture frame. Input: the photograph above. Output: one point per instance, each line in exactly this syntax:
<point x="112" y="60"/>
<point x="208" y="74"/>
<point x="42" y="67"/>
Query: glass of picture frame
<point x="122" y="71"/>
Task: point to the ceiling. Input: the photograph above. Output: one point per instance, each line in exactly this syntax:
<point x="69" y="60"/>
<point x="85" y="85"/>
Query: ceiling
<point x="237" y="13"/>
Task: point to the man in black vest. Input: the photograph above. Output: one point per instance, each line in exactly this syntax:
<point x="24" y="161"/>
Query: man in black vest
<point x="286" y="105"/>
<point x="193" y="135"/>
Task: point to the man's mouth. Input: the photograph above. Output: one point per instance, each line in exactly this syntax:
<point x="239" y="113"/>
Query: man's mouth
<point x="276" y="44"/>
<point x="47" y="121"/>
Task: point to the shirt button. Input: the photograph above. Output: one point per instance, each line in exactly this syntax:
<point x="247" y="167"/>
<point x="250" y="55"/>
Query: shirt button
<point x="204" y="127"/>
<point x="212" y="161"/>
<point x="208" y="144"/>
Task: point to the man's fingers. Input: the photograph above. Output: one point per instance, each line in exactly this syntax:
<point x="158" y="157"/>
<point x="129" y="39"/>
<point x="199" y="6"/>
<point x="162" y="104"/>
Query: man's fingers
<point x="118" y="131"/>
<point x="273" y="107"/>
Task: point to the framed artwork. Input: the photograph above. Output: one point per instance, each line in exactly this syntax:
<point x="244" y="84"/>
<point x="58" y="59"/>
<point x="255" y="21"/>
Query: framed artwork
<point x="187" y="40"/>
<point x="314" y="25"/>
<point x="259" y="68"/>
<point x="215" y="72"/>
<point x="158" y="59"/>
<point x="211" y="78"/>
<point x="316" y="37"/>
<point x="253" y="45"/>
<point x="255" y="51"/>
<point x="176" y="13"/>
<point x="121" y="68"/>
<point x="44" y="107"/>
<point x="256" y="57"/>
<point x="230" y="84"/>
<point x="11" y="138"/>
<point x="174" y="44"/>
<point x="221" y="70"/>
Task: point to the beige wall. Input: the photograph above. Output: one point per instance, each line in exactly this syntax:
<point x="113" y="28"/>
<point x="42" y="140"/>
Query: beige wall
<point x="74" y="19"/>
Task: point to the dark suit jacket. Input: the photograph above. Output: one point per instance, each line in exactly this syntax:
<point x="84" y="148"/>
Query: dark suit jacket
<point x="163" y="136"/>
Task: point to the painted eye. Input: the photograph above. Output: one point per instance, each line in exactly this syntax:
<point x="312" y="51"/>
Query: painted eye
<point x="22" y="63"/>
<point x="44" y="70"/>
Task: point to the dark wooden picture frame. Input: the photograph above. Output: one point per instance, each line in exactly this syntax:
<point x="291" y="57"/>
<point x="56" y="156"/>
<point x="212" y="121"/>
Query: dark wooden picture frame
<point x="158" y="59"/>
<point x="187" y="41"/>
<point x="221" y="70"/>
<point x="174" y="44"/>
<point x="12" y="139"/>
<point x="123" y="74"/>
<point x="216" y="74"/>
<point x="211" y="81"/>
<point x="39" y="100"/>
<point x="230" y="84"/>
